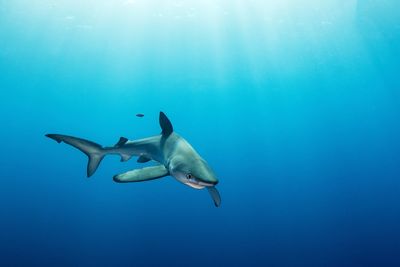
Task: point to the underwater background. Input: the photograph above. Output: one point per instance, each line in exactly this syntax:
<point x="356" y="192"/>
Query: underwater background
<point x="294" y="104"/>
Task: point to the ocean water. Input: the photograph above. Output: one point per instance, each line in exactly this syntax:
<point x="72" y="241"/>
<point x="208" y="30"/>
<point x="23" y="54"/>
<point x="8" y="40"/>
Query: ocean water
<point x="294" y="104"/>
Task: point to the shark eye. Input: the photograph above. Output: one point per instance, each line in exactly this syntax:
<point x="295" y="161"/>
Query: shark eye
<point x="189" y="176"/>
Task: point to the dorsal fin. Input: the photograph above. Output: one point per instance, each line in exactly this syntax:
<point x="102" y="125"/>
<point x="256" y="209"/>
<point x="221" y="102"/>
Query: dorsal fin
<point x="122" y="141"/>
<point x="166" y="125"/>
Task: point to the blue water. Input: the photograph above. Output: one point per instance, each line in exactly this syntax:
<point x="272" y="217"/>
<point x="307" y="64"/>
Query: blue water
<point x="295" y="105"/>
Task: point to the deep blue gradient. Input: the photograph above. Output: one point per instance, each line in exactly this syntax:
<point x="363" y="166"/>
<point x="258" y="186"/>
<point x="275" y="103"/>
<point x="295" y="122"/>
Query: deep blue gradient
<point x="295" y="105"/>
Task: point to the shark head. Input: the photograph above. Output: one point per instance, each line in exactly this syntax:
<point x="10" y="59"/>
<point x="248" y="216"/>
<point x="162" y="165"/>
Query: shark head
<point x="193" y="172"/>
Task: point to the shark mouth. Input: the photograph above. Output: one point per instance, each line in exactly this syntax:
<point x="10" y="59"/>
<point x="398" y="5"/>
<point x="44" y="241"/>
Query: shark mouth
<point x="197" y="184"/>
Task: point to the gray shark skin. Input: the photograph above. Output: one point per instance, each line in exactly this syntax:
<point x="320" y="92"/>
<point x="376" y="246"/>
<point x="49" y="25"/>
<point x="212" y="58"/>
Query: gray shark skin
<point x="175" y="157"/>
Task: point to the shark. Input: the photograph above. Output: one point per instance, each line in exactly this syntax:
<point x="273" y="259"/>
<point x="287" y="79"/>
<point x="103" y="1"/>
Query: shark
<point x="174" y="156"/>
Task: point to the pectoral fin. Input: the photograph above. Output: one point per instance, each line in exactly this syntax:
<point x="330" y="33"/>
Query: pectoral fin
<point x="143" y="159"/>
<point x="214" y="195"/>
<point x="140" y="175"/>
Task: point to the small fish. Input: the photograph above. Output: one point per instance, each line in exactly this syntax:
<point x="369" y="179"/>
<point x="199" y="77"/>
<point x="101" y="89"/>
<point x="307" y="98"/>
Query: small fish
<point x="140" y="115"/>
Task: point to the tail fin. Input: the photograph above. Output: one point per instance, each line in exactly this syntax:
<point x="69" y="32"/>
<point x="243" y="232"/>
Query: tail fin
<point x="94" y="151"/>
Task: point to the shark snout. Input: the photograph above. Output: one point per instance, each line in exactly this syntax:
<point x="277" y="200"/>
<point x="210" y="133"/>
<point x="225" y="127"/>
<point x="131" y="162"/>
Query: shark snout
<point x="214" y="182"/>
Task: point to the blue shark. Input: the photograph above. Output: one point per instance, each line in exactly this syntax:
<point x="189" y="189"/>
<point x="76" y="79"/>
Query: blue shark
<point x="174" y="156"/>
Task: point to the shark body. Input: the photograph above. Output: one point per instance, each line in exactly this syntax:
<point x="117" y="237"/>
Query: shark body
<point x="174" y="155"/>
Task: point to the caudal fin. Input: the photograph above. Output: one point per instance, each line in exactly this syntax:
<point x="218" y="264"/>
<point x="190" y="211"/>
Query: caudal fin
<point x="94" y="151"/>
